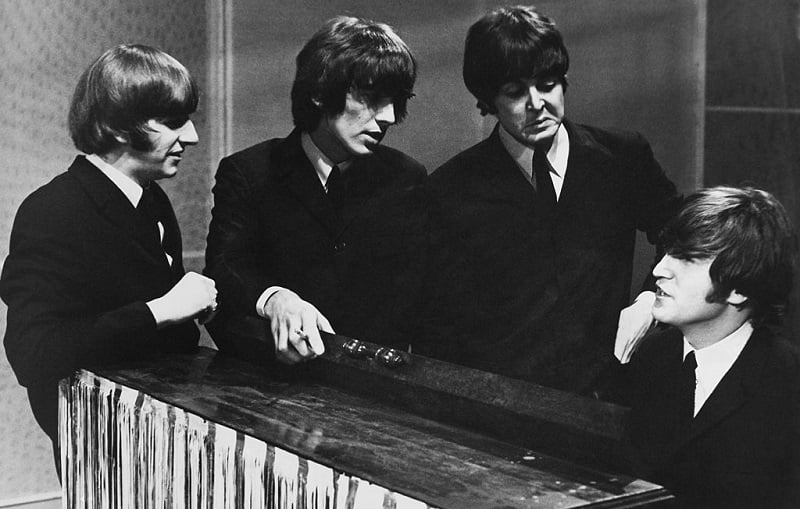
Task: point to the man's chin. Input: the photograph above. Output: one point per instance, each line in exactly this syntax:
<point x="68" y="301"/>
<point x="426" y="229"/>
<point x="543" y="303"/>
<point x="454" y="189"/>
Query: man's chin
<point x="661" y="317"/>
<point x="363" y="150"/>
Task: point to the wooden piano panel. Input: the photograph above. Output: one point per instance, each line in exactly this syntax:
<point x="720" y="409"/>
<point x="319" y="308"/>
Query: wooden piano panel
<point x="211" y="431"/>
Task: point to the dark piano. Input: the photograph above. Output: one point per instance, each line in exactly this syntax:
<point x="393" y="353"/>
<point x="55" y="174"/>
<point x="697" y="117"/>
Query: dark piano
<point x="359" y="427"/>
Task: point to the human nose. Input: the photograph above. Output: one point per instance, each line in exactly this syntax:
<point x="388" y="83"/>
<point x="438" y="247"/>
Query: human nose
<point x="188" y="134"/>
<point x="661" y="270"/>
<point x="535" y="98"/>
<point x="384" y="115"/>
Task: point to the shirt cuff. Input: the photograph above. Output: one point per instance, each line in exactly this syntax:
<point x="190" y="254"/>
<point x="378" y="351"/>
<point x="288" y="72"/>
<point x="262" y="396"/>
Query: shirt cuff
<point x="157" y="311"/>
<point x="262" y="300"/>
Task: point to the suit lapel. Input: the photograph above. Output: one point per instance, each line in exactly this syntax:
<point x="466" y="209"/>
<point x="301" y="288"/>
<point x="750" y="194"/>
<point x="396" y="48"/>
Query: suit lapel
<point x="300" y="178"/>
<point x="114" y="207"/>
<point x="502" y="173"/>
<point x="586" y="159"/>
<point x="665" y="396"/>
<point x="108" y="198"/>
<point x="112" y="204"/>
<point x="734" y="389"/>
<point x="364" y="177"/>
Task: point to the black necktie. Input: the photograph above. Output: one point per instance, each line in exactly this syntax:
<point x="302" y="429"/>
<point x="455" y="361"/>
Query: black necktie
<point x="335" y="186"/>
<point x="545" y="192"/>
<point x="687" y="387"/>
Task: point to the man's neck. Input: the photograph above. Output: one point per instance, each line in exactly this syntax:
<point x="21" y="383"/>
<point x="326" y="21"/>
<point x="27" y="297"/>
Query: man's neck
<point x="120" y="159"/>
<point x="328" y="145"/>
<point x="704" y="334"/>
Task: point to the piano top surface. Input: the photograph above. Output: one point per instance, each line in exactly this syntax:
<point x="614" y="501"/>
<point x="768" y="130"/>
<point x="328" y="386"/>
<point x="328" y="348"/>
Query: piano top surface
<point x="440" y="464"/>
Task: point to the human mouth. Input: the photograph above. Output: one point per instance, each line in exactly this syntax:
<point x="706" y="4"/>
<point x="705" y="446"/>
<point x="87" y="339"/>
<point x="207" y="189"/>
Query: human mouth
<point x="539" y="124"/>
<point x="376" y="137"/>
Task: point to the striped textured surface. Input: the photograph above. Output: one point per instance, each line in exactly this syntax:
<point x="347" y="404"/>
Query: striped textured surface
<point x="125" y="449"/>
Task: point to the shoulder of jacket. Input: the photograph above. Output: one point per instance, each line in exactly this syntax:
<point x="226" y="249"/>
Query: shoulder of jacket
<point x="399" y="160"/>
<point x="467" y="160"/>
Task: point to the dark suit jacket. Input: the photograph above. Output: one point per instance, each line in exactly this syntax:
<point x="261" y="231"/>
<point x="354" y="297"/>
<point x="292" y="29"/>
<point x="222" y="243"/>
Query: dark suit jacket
<point x="273" y="224"/>
<point x="539" y="297"/>
<point x="76" y="281"/>
<point x="743" y="447"/>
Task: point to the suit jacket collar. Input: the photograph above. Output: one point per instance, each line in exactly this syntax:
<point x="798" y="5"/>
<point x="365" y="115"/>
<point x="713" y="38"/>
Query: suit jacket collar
<point x="107" y="196"/>
<point x="114" y="206"/>
<point x="296" y="172"/>
<point x="364" y="176"/>
<point x="502" y="173"/>
<point x="585" y="157"/>
<point x="738" y="384"/>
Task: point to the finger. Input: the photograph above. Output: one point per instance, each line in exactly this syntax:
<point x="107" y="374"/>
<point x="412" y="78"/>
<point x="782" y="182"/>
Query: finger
<point x="315" y="341"/>
<point x="619" y="348"/>
<point x="298" y="339"/>
<point x="207" y="316"/>
<point x="290" y="356"/>
<point x="620" y="352"/>
<point x="630" y="347"/>
<point x="280" y="334"/>
<point x="323" y="324"/>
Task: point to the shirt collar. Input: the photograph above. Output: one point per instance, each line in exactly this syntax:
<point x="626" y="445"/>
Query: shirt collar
<point x="523" y="154"/>
<point x="715" y="360"/>
<point x="321" y="163"/>
<point x="129" y="187"/>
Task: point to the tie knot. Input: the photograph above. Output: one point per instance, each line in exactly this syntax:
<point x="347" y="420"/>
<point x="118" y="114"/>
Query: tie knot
<point x="147" y="204"/>
<point x="335" y="173"/>
<point x="690" y="362"/>
<point x="335" y="187"/>
<point x="540" y="162"/>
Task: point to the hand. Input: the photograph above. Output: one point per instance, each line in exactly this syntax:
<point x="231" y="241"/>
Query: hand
<point x="634" y="322"/>
<point x="295" y="326"/>
<point x="207" y="314"/>
<point x="191" y="296"/>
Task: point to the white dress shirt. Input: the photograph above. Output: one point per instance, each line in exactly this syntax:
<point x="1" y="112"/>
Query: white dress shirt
<point x="321" y="163"/>
<point x="129" y="187"/>
<point x="715" y="360"/>
<point x="557" y="156"/>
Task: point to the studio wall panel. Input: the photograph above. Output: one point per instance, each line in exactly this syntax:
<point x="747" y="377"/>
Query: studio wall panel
<point x="44" y="46"/>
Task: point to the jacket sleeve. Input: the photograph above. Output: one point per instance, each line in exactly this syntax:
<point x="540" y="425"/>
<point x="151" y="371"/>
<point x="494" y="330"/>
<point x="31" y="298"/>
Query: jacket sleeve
<point x="656" y="199"/>
<point x="51" y="326"/>
<point x="234" y="242"/>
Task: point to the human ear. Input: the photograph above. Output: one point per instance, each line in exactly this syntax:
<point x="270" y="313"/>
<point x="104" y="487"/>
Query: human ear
<point x="121" y="137"/>
<point x="486" y="109"/>
<point x="736" y="299"/>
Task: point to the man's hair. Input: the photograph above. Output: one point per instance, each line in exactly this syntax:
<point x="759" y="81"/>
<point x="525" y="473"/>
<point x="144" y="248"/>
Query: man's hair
<point x="351" y="54"/>
<point x="124" y="88"/>
<point x="511" y="44"/>
<point x="751" y="239"/>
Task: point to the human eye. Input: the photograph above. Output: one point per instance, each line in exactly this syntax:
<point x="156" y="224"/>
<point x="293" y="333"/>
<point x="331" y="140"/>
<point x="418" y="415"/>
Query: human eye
<point x="546" y="84"/>
<point x="174" y="122"/>
<point x="402" y="96"/>
<point x="366" y="96"/>
<point x="512" y="89"/>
